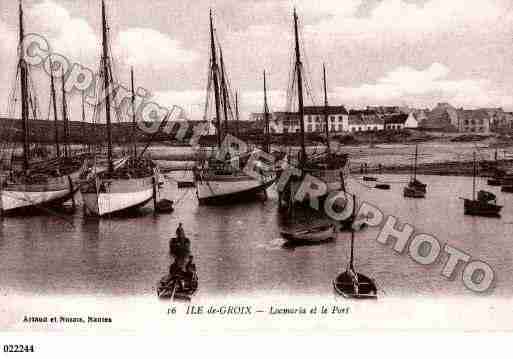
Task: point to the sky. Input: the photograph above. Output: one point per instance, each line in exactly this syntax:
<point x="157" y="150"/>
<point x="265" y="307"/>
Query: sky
<point x="376" y="52"/>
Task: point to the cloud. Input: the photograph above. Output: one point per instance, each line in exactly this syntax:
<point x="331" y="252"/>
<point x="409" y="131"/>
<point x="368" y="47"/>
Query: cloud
<point x="148" y="47"/>
<point x="70" y="36"/>
<point x="423" y="88"/>
<point x="410" y="22"/>
<point x="8" y="43"/>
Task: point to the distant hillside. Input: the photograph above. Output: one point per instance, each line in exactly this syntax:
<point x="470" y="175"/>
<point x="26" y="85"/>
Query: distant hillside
<point x="43" y="131"/>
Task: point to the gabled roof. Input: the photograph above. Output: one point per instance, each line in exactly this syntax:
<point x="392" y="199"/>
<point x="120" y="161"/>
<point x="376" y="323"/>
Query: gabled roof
<point x="399" y="119"/>
<point x="371" y="120"/>
<point x="320" y="110"/>
<point x="474" y="114"/>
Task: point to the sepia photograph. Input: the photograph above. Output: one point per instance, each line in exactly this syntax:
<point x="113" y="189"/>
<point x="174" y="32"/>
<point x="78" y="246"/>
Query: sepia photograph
<point x="255" y="166"/>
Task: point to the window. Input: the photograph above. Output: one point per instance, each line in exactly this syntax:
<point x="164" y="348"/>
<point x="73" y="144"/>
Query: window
<point x="309" y="118"/>
<point x="340" y="118"/>
<point x="317" y="128"/>
<point x="317" y="119"/>
<point x="359" y="128"/>
<point x="340" y="128"/>
<point x="375" y="128"/>
<point x="332" y="118"/>
<point x="333" y="128"/>
<point x="353" y="129"/>
<point x="309" y="129"/>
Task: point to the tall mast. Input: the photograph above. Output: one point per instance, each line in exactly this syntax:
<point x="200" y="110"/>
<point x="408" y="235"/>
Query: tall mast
<point x="266" y="119"/>
<point x="106" y="75"/>
<point x="474" y="179"/>
<point x="83" y="121"/>
<point x="326" y="124"/>
<point x="415" y="165"/>
<point x="351" y="262"/>
<point x="65" y="119"/>
<point x="301" y="111"/>
<point x="55" y="120"/>
<point x="134" y="139"/>
<point x="24" y="95"/>
<point x="224" y="93"/>
<point x="237" y="114"/>
<point x="216" y="81"/>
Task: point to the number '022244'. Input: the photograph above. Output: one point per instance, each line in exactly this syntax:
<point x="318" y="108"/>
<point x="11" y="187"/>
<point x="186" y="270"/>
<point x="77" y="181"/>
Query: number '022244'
<point x="18" y="348"/>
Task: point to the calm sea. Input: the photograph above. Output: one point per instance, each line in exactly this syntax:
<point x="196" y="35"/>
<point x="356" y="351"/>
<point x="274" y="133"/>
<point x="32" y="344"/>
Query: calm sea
<point x="238" y="249"/>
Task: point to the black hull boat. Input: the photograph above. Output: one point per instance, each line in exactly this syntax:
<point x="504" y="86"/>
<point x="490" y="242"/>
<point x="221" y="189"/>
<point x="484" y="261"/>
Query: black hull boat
<point x="353" y="285"/>
<point x="480" y="208"/>
<point x="507" y="189"/>
<point x="484" y="204"/>
<point x="415" y="188"/>
<point x="414" y="192"/>
<point x="383" y="186"/>
<point x="494" y="182"/>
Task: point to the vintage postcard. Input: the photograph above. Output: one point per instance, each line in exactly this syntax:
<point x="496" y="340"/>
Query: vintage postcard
<point x="255" y="166"/>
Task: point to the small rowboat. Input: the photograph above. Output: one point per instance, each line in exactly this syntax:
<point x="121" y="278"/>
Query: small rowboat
<point x="507" y="189"/>
<point x="369" y="179"/>
<point x="177" y="287"/>
<point x="481" y="208"/>
<point x="414" y="192"/>
<point x="353" y="285"/>
<point x="165" y="206"/>
<point x="185" y="184"/>
<point x="384" y="186"/>
<point x="311" y="235"/>
<point x="494" y="182"/>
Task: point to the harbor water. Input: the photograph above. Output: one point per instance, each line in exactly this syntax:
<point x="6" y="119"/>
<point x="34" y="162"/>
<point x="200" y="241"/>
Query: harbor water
<point x="238" y="250"/>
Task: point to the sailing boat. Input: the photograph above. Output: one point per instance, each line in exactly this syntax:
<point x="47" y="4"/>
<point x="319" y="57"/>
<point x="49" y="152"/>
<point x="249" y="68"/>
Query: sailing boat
<point x="327" y="166"/>
<point x="128" y="184"/>
<point x="415" y="188"/>
<point x="43" y="183"/>
<point x="485" y="204"/>
<point x="351" y="284"/>
<point x="217" y="181"/>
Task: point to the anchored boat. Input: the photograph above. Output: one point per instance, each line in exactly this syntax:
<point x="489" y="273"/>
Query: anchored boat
<point x="415" y="188"/>
<point x="485" y="203"/>
<point x="329" y="166"/>
<point x="29" y="184"/>
<point x="134" y="181"/>
<point x="312" y="235"/>
<point x="219" y="180"/>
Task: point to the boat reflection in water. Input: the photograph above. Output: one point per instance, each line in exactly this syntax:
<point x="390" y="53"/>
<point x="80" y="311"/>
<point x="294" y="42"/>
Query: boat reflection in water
<point x="181" y="283"/>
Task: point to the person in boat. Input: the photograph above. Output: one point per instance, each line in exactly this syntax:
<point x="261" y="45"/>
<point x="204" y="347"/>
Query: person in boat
<point x="190" y="270"/>
<point x="180" y="233"/>
<point x="176" y="275"/>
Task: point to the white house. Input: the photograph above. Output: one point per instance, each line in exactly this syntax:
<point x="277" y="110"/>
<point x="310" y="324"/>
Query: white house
<point x="314" y="119"/>
<point x="412" y="121"/>
<point x="363" y="121"/>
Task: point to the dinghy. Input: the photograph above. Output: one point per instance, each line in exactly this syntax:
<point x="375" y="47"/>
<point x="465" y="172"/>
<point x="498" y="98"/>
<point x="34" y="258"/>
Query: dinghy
<point x="369" y="179"/>
<point x="177" y="287"/>
<point x="313" y="235"/>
